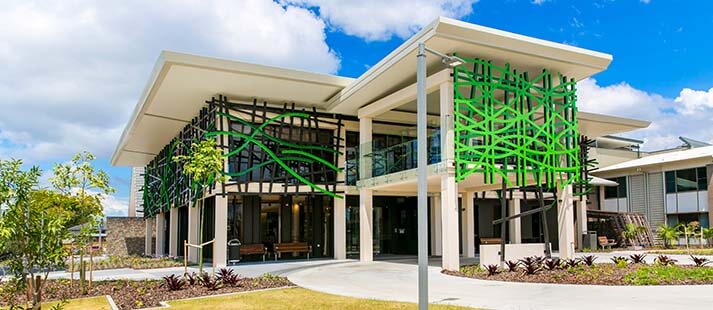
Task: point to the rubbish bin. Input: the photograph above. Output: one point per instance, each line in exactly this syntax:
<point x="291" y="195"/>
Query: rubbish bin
<point x="233" y="251"/>
<point x="590" y="240"/>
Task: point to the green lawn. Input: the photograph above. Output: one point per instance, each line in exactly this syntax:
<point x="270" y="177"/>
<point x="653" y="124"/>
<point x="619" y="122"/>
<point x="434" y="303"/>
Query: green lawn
<point x="293" y="298"/>
<point x="98" y="303"/>
<point x="692" y="251"/>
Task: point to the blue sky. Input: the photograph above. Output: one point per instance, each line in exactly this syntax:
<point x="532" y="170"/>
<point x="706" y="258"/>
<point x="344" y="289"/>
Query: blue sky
<point x="71" y="72"/>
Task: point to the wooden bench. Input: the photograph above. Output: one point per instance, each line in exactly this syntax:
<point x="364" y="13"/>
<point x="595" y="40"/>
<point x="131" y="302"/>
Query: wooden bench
<point x="252" y="249"/>
<point x="605" y="242"/>
<point x="299" y="247"/>
<point x="489" y="240"/>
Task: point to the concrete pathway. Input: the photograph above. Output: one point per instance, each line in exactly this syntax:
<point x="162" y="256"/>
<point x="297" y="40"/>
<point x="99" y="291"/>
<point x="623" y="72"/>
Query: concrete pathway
<point x="397" y="281"/>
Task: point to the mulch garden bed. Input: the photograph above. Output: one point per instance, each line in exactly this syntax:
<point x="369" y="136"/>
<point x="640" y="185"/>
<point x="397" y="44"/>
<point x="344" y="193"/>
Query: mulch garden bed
<point x="129" y="294"/>
<point x="598" y="274"/>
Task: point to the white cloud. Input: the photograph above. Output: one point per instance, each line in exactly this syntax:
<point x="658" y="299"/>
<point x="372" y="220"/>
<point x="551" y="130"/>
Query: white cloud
<point x="376" y="20"/>
<point x="670" y="118"/>
<point x="71" y="71"/>
<point x="114" y="206"/>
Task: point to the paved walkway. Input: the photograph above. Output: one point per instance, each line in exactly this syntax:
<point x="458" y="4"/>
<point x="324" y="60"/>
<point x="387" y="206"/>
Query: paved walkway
<point x="390" y="280"/>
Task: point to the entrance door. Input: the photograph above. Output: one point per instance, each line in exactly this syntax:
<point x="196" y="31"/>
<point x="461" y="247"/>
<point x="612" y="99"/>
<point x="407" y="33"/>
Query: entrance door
<point x="182" y="228"/>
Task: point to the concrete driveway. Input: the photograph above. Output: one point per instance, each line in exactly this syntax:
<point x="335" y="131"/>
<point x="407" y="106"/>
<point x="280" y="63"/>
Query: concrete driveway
<point x="397" y="280"/>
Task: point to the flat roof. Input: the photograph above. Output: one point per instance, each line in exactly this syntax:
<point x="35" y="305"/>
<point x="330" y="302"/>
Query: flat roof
<point x="180" y="83"/>
<point x="664" y="158"/>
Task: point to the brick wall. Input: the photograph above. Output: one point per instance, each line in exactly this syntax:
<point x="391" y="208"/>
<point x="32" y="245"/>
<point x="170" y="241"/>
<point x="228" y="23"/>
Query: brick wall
<point x="125" y="235"/>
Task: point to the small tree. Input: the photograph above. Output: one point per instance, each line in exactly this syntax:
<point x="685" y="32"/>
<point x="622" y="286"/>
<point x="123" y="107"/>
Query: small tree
<point x="707" y="233"/>
<point x="204" y="164"/>
<point x="668" y="234"/>
<point x="80" y="181"/>
<point x="33" y="224"/>
<point x="690" y="230"/>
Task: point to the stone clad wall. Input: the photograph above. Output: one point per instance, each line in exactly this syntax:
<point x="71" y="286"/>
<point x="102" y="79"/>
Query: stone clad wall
<point x="125" y="236"/>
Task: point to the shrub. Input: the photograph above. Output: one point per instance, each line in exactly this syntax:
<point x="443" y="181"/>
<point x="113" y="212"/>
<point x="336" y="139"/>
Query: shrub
<point x="700" y="261"/>
<point x="531" y="265"/>
<point x="191" y="278"/>
<point x="552" y="264"/>
<point x="589" y="260"/>
<point x="572" y="262"/>
<point x="620" y="260"/>
<point x="491" y="269"/>
<point x="173" y="282"/>
<point x="228" y="277"/>
<point x="664" y="260"/>
<point x="512" y="265"/>
<point x="638" y="258"/>
<point x="209" y="282"/>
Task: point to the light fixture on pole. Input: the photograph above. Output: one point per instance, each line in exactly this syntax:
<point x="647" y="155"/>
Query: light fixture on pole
<point x="422" y="163"/>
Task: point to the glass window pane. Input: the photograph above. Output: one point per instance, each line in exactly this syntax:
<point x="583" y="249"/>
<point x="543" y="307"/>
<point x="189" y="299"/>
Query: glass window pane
<point x="702" y="179"/>
<point x="686" y="180"/>
<point x="610" y="191"/>
<point x="670" y="182"/>
<point x="621" y="187"/>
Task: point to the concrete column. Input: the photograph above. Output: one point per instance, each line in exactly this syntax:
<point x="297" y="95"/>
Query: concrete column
<point x="173" y="233"/>
<point x="469" y="224"/>
<point x="220" y="246"/>
<point x="366" y="207"/>
<point x="159" y="219"/>
<point x="449" y="188"/>
<point x="340" y="204"/>
<point x="193" y="232"/>
<point x="340" y="228"/>
<point x="366" y="226"/>
<point x="515" y="226"/>
<point x="581" y="221"/>
<point x="565" y="222"/>
<point x="449" y="223"/>
<point x="436" y="245"/>
<point x="148" y="232"/>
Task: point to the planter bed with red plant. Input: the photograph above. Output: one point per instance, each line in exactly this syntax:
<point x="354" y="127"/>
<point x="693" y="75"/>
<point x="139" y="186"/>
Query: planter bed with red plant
<point x="128" y="294"/>
<point x="620" y="271"/>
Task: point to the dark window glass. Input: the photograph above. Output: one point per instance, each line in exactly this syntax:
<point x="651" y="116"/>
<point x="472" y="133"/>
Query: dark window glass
<point x="670" y="182"/>
<point x="616" y="191"/>
<point x="610" y="192"/>
<point x="702" y="179"/>
<point x="622" y="186"/>
<point x="686" y="180"/>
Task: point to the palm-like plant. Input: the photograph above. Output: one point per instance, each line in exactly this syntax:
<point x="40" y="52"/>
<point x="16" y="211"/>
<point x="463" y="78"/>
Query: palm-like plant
<point x="708" y="235"/>
<point x="631" y="233"/>
<point x="668" y="234"/>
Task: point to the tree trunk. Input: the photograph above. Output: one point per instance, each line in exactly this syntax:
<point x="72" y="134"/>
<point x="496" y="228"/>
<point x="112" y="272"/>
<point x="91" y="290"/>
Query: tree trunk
<point x="200" y="236"/>
<point x="36" y="293"/>
<point x="82" y="274"/>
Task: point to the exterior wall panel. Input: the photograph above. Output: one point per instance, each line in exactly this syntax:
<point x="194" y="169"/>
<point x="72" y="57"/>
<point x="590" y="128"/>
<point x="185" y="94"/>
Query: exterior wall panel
<point x="637" y="193"/>
<point x="656" y="210"/>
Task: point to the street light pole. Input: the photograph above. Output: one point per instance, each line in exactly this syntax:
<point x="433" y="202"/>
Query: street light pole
<point x="422" y="145"/>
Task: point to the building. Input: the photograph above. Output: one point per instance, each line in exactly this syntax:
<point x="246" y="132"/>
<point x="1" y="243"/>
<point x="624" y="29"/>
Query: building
<point x="668" y="186"/>
<point x="330" y="161"/>
<point x="136" y="198"/>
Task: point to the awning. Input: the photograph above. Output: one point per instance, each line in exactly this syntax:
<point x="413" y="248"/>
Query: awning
<point x="602" y="182"/>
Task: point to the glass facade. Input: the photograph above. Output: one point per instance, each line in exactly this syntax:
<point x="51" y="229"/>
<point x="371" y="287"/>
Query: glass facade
<point x="616" y="191"/>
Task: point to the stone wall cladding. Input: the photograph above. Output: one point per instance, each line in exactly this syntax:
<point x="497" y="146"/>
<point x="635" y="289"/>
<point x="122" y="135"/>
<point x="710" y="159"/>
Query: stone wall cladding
<point x="125" y="236"/>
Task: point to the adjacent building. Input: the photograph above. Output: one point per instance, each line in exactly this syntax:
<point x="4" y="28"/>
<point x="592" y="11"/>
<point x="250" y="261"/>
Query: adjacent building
<point x="330" y="161"/>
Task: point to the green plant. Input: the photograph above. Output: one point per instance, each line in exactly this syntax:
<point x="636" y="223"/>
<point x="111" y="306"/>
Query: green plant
<point x="664" y="260"/>
<point x="700" y="261"/>
<point x="589" y="260"/>
<point x="620" y="260"/>
<point x="173" y="283"/>
<point x="204" y="164"/>
<point x="668" y="234"/>
<point x="631" y="233"/>
<point x="656" y="275"/>
<point x="707" y="234"/>
<point x="512" y="265"/>
<point x="638" y="258"/>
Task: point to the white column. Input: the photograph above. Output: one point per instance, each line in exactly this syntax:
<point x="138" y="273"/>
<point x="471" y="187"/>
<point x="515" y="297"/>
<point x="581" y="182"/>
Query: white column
<point x="565" y="222"/>
<point x="581" y="221"/>
<point x="193" y="232"/>
<point x="340" y="211"/>
<point x="449" y="188"/>
<point x="366" y="215"/>
<point x="160" y="222"/>
<point x="515" y="226"/>
<point x="436" y="220"/>
<point x="340" y="228"/>
<point x="149" y="236"/>
<point x="469" y="225"/>
<point x="220" y="248"/>
<point x="173" y="233"/>
<point x="366" y="207"/>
